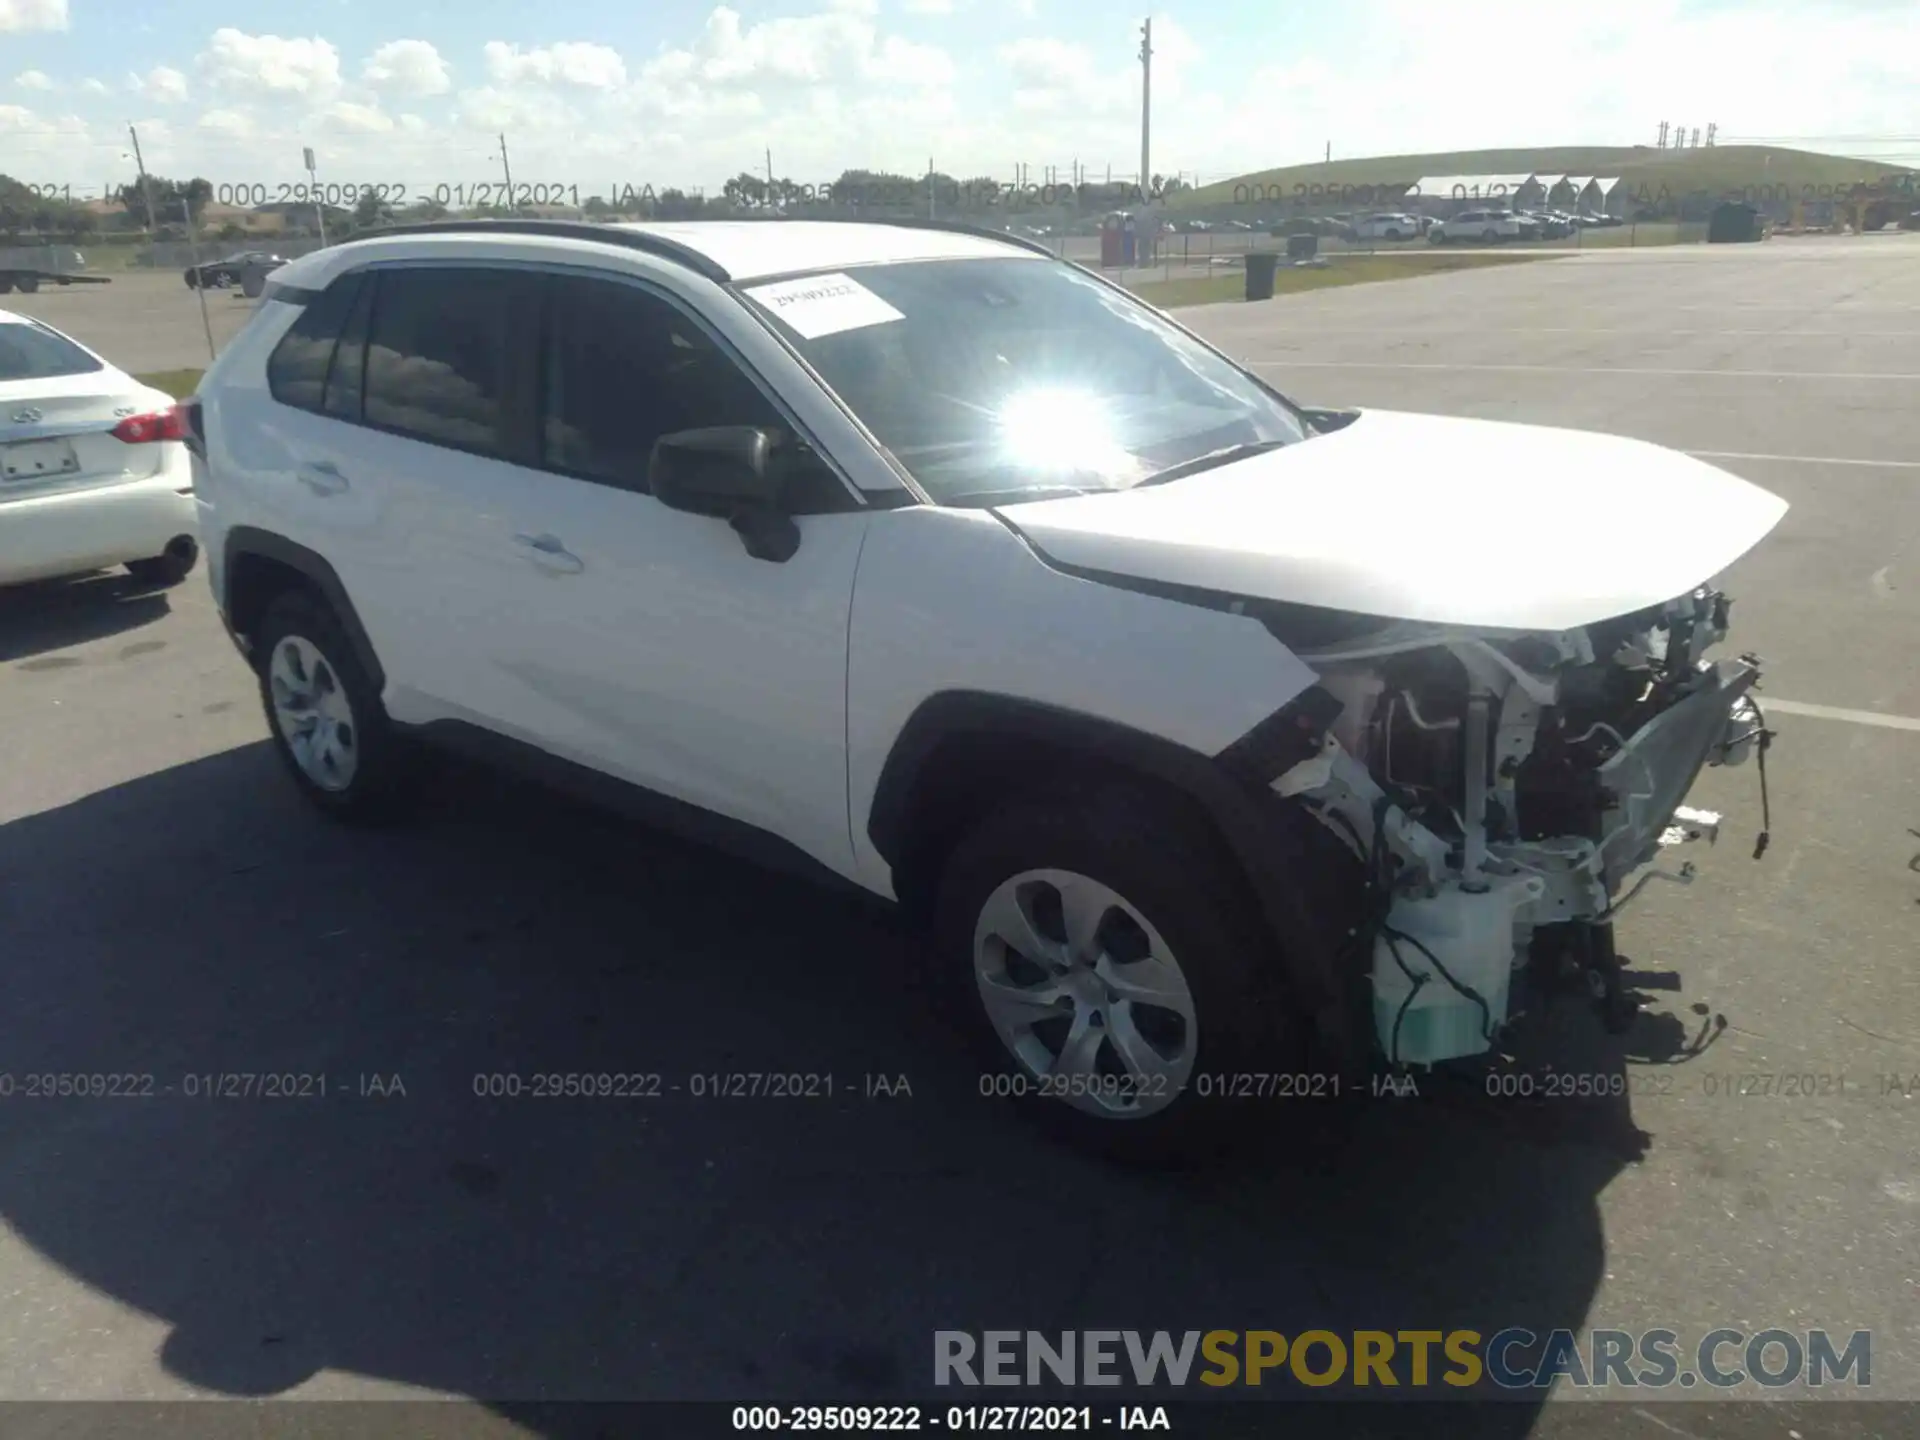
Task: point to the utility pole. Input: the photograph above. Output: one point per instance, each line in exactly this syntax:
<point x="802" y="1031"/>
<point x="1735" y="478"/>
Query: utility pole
<point x="193" y="242"/>
<point x="146" y="185"/>
<point x="930" y="214"/>
<point x="1712" y="130"/>
<point x="506" y="169"/>
<point x="1663" y="135"/>
<point x="1329" y="152"/>
<point x="769" y="158"/>
<point x="1696" y="139"/>
<point x="1146" y="105"/>
<point x="313" y="183"/>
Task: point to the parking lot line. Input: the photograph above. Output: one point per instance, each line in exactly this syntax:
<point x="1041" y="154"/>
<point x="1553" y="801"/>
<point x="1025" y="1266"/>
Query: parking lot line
<point x="1908" y="378"/>
<point x="1803" y="459"/>
<point x="1832" y="712"/>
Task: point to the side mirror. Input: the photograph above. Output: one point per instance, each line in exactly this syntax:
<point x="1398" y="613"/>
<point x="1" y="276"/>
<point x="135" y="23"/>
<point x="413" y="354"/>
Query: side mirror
<point x="727" y="471"/>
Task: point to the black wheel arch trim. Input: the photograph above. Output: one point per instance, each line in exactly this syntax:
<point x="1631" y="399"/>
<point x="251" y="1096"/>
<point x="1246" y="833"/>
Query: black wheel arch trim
<point x="1230" y="788"/>
<point x="245" y="540"/>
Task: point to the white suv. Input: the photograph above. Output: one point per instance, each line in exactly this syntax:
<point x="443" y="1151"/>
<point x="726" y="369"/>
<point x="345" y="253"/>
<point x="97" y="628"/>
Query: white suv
<point x="1226" y="753"/>
<point x="1487" y="225"/>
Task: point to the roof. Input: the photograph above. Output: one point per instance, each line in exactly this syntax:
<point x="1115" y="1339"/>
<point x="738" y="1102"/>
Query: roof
<point x="719" y="250"/>
<point x="754" y="249"/>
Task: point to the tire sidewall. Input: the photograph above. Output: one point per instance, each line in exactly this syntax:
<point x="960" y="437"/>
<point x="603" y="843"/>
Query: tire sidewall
<point x="1232" y="968"/>
<point x="375" y="775"/>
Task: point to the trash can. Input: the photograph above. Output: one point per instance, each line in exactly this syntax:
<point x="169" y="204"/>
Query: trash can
<point x="1302" y="247"/>
<point x="1733" y="224"/>
<point x="1261" y="265"/>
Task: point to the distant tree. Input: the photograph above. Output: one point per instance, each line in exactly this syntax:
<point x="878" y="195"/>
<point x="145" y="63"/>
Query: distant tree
<point x="745" y="189"/>
<point x="167" y="197"/>
<point x="371" y="211"/>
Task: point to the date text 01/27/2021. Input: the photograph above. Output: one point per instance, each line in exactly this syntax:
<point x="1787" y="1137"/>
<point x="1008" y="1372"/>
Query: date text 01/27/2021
<point x="200" y="1085"/>
<point x="1002" y="1419"/>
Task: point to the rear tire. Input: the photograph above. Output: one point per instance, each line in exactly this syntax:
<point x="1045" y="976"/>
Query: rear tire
<point x="329" y="727"/>
<point x="193" y="280"/>
<point x="1159" y="903"/>
<point x="27" y="284"/>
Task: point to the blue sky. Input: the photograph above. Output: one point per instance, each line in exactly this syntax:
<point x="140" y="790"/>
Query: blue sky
<point x="688" y="92"/>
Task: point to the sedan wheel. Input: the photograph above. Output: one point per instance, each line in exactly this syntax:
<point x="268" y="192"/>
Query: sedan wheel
<point x="313" y="713"/>
<point x="1085" y="993"/>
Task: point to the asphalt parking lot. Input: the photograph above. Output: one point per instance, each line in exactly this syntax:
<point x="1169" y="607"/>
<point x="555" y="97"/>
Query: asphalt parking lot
<point x="167" y="907"/>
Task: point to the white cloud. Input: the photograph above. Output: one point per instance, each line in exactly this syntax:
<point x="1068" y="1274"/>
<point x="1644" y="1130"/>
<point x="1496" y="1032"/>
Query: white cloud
<point x="835" y="86"/>
<point x="578" y="63"/>
<point x="492" y="108"/>
<point x="1095" y="94"/>
<point x="407" y="67"/>
<point x="271" y="65"/>
<point x="163" y="85"/>
<point x="96" y="87"/>
<point x="34" y="80"/>
<point x="831" y="48"/>
<point x="232" y="124"/>
<point x="33" y="15"/>
<point x="359" y="119"/>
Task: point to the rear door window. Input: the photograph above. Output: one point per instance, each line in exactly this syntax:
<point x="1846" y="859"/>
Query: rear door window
<point x="440" y="357"/>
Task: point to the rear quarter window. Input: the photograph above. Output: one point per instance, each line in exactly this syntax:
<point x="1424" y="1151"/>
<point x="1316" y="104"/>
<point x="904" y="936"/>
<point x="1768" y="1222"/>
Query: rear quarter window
<point x="300" y="366"/>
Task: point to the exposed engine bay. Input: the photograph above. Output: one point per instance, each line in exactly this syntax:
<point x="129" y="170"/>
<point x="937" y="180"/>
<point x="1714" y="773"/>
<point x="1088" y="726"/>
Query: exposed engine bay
<point x="1500" y="791"/>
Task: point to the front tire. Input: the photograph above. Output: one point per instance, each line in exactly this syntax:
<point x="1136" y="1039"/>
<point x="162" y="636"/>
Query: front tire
<point x="329" y="727"/>
<point x="1115" y="972"/>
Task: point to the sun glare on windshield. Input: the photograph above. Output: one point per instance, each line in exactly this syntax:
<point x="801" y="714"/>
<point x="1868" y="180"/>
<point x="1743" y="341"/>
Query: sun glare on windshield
<point x="1055" y="431"/>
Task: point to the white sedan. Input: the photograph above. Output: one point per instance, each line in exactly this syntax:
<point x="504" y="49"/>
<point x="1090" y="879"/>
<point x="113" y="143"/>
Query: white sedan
<point x="93" y="465"/>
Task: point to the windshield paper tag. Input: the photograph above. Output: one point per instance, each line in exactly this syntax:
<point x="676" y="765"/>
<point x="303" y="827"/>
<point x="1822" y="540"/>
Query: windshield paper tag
<point x="824" y="305"/>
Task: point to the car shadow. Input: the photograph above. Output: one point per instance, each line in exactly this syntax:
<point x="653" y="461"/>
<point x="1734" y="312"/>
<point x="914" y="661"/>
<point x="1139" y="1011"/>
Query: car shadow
<point x="396" y="1216"/>
<point x="50" y="615"/>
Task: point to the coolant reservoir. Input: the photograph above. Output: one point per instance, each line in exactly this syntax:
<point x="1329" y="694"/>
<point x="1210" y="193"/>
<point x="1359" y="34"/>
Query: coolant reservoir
<point x="1472" y="935"/>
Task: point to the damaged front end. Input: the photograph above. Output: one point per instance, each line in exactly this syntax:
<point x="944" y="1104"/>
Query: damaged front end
<point x="1500" y="790"/>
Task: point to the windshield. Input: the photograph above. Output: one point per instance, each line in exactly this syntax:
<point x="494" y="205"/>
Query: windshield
<point x="990" y="379"/>
<point x="33" y="352"/>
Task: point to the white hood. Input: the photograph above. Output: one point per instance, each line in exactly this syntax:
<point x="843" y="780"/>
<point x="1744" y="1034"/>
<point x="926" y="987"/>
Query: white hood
<point x="1427" y="518"/>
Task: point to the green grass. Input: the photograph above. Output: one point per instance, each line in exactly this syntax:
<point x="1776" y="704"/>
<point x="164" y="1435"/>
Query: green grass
<point x="177" y="383"/>
<point x="1717" y="170"/>
<point x="1344" y="270"/>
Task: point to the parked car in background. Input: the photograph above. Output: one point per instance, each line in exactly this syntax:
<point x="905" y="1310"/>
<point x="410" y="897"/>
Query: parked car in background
<point x="1599" y="220"/>
<point x="93" y="471"/>
<point x="214" y="274"/>
<point x="1489" y="226"/>
<point x="1392" y="226"/>
<point x="1551" y="226"/>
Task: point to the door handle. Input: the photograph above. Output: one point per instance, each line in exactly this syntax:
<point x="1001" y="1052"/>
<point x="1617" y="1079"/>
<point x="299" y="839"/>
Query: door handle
<point x="548" y="552"/>
<point x="322" y="477"/>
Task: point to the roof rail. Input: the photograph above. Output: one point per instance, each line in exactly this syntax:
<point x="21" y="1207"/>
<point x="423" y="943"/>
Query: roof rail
<point x="643" y="240"/>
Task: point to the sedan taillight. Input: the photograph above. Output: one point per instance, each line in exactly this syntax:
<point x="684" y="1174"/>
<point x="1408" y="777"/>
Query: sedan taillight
<point x="168" y="424"/>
